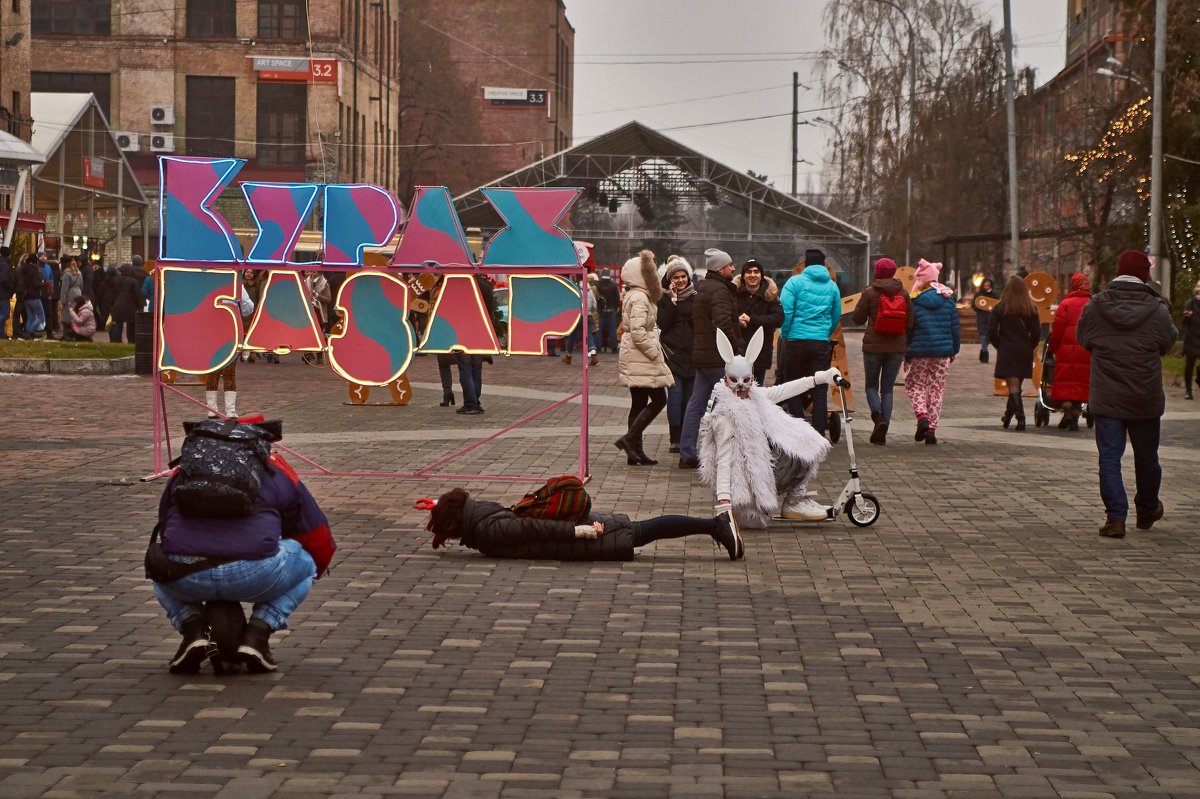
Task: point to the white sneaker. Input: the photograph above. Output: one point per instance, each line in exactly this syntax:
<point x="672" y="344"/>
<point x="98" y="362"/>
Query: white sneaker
<point x="804" y="509"/>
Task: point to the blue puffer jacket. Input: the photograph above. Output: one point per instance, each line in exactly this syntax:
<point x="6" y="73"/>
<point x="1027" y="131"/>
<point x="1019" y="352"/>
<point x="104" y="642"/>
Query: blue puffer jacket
<point x="934" y="333"/>
<point x="812" y="305"/>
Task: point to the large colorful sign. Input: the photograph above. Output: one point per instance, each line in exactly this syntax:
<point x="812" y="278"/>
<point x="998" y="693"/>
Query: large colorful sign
<point x="201" y="329"/>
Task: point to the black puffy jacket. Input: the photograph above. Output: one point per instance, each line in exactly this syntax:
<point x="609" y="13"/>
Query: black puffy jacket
<point x="675" y="322"/>
<point x="497" y="532"/>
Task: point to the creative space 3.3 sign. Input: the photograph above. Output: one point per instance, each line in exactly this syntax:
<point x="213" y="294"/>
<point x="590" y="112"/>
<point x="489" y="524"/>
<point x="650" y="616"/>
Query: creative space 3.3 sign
<point x="200" y="258"/>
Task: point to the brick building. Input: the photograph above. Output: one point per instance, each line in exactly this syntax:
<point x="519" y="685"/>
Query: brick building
<point x="527" y="49"/>
<point x="302" y="89"/>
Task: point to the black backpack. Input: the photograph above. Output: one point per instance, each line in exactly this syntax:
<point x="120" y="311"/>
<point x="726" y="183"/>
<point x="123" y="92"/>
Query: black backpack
<point x="222" y="466"/>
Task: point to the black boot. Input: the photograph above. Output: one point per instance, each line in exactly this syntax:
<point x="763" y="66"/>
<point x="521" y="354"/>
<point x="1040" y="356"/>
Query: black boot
<point x="675" y="430"/>
<point x="1019" y="402"/>
<point x="193" y="649"/>
<point x="1065" y="422"/>
<point x="254" y="649"/>
<point x="1009" y="411"/>
<point x="1073" y="426"/>
<point x="983" y="356"/>
<point x="631" y="442"/>
<point x="447" y="399"/>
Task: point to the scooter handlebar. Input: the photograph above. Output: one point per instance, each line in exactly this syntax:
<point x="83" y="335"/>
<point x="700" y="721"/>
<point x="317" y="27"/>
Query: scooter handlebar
<point x="843" y="382"/>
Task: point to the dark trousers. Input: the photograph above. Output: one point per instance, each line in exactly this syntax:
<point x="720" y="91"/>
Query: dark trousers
<point x="641" y="398"/>
<point x="608" y="330"/>
<point x="470" y="377"/>
<point x="659" y="528"/>
<point x="1110" y="444"/>
<point x="804" y="358"/>
<point x="114" y="333"/>
<point x="1189" y="369"/>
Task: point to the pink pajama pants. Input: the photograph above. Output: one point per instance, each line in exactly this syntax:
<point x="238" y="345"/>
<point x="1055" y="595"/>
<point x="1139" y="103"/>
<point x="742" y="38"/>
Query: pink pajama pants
<point x="925" y="382"/>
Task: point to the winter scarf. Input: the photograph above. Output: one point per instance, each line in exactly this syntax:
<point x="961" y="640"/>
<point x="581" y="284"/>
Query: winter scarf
<point x="757" y="423"/>
<point x="680" y="296"/>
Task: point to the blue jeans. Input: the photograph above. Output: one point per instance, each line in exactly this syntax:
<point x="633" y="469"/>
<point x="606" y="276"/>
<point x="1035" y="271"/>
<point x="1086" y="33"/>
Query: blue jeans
<point x="35" y="316"/>
<point x="1110" y="443"/>
<point x="608" y="330"/>
<point x="276" y="585"/>
<point x="470" y="377"/>
<point x="679" y="394"/>
<point x="981" y="324"/>
<point x="706" y="378"/>
<point x="881" y="369"/>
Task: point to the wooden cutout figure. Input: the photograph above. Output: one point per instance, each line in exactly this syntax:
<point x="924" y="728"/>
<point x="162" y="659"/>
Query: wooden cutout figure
<point x="399" y="390"/>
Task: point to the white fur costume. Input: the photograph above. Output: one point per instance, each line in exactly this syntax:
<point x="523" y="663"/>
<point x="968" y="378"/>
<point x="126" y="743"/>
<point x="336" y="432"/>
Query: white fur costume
<point x="742" y="426"/>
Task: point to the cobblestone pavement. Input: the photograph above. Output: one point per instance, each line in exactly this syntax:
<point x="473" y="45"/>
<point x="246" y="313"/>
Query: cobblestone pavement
<point x="979" y="640"/>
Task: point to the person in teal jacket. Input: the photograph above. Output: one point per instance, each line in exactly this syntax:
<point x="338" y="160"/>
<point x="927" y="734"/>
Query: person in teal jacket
<point x="933" y="342"/>
<point x="812" y="310"/>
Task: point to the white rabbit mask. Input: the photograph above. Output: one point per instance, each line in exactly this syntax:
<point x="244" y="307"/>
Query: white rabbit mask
<point x="739" y="369"/>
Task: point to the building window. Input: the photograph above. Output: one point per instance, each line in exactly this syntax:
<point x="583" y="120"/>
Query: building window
<point x="210" y="109"/>
<point x="282" y="123"/>
<point x="282" y="19"/>
<point x="71" y="17"/>
<point x="211" y="19"/>
<point x="98" y="83"/>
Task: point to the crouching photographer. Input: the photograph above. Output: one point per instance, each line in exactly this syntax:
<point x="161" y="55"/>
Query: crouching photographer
<point x="236" y="525"/>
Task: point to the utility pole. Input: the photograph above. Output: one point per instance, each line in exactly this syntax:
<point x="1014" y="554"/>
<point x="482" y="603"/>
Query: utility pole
<point x="1010" y="95"/>
<point x="1162" y="264"/>
<point x="795" y="125"/>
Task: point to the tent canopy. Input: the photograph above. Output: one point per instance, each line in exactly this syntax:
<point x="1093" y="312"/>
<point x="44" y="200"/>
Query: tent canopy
<point x="643" y="170"/>
<point x="81" y="156"/>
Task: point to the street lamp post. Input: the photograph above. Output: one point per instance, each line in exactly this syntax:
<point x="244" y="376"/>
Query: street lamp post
<point x="1157" y="186"/>
<point x="912" y="123"/>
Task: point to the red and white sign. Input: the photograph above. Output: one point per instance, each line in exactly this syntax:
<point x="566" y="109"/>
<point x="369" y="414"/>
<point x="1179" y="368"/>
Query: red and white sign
<point x="93" y="172"/>
<point x="281" y="69"/>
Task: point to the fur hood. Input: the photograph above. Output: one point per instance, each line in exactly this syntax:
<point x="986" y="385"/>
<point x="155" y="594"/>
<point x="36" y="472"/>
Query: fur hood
<point x="768" y="288"/>
<point x="641" y="272"/>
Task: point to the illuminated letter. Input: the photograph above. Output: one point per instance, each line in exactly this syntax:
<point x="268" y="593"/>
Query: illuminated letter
<point x="532" y="237"/>
<point x="189" y="230"/>
<point x="376" y="343"/>
<point x="356" y="217"/>
<point x="284" y="319"/>
<point x="279" y="211"/>
<point x="459" y="320"/>
<point x="198" y="317"/>
<point x="540" y="306"/>
<point x="433" y="232"/>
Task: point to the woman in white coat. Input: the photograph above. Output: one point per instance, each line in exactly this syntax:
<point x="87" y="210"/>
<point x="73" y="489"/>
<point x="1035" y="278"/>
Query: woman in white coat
<point x="641" y="365"/>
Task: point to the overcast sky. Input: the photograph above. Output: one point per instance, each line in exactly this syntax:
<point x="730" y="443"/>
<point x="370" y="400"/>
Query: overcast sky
<point x="687" y="68"/>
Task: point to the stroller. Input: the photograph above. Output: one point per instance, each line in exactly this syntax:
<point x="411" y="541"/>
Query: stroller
<point x="1041" y="411"/>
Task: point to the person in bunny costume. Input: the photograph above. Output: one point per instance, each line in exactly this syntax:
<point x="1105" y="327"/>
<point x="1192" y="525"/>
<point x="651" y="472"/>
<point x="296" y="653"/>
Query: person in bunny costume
<point x="752" y="451"/>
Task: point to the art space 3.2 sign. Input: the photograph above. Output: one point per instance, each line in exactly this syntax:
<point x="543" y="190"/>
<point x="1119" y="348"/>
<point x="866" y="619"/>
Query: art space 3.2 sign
<point x="200" y="329"/>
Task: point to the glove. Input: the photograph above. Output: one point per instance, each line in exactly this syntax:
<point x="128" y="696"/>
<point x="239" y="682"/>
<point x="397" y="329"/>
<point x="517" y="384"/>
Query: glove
<point x="827" y="376"/>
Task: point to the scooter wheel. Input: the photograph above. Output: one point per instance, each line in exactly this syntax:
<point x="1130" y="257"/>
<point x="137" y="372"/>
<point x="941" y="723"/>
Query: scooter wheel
<point x="835" y="428"/>
<point x="863" y="510"/>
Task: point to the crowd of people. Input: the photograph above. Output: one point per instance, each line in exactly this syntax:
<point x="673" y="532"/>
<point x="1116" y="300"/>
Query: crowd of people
<point x="70" y="298"/>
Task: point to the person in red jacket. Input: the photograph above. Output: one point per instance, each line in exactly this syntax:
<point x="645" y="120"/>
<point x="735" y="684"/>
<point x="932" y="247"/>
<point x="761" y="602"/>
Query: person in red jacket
<point x="269" y="557"/>
<point x="1072" y="363"/>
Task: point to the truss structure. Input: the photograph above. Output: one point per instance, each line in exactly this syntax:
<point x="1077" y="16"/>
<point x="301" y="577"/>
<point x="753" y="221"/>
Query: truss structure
<point x="637" y="166"/>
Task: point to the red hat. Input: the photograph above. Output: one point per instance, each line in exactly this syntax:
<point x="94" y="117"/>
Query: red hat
<point x="885" y="268"/>
<point x="1134" y="263"/>
<point x="1079" y="281"/>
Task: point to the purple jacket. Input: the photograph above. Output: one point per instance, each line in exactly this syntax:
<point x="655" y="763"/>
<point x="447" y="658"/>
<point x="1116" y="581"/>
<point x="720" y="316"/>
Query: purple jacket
<point x="285" y="509"/>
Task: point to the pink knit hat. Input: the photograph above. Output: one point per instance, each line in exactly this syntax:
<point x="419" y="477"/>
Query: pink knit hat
<point x="927" y="272"/>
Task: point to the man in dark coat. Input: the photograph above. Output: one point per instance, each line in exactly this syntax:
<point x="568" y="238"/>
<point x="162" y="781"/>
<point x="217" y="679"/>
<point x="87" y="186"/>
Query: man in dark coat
<point x="609" y="300"/>
<point x="126" y="302"/>
<point x="716" y="307"/>
<point x="1127" y="328"/>
<point x="758" y="308"/>
<point x="31" y="288"/>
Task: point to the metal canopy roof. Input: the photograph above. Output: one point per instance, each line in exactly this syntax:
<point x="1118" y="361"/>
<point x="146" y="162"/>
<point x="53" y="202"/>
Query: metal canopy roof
<point x="634" y="164"/>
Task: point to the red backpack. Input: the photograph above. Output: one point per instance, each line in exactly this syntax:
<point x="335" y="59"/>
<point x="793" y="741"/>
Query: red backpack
<point x="560" y="498"/>
<point x="892" y="317"/>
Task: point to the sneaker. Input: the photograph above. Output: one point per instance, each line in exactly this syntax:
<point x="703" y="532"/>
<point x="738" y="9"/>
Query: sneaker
<point x="1113" y="529"/>
<point x="805" y="510"/>
<point x="922" y="429"/>
<point x="930" y="439"/>
<point x="728" y="534"/>
<point x="1188" y="395"/>
<point x="1146" y="522"/>
<point x="879" y="434"/>
<point x="254" y="649"/>
<point x="689" y="463"/>
<point x="193" y="650"/>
